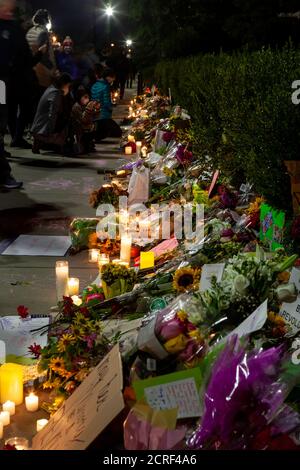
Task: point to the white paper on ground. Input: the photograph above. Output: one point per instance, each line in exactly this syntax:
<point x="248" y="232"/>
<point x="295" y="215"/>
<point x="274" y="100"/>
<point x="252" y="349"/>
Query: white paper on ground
<point x="17" y="335"/>
<point x="290" y="312"/>
<point x="182" y="394"/>
<point x="209" y="271"/>
<point x="83" y="416"/>
<point x="253" y="323"/>
<point x="38" y="245"/>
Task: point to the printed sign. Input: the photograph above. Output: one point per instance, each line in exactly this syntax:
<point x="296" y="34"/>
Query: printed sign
<point x="82" y="418"/>
<point x="291" y="314"/>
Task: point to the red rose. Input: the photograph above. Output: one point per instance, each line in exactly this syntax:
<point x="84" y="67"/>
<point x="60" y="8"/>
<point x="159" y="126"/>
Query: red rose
<point x="23" y="311"/>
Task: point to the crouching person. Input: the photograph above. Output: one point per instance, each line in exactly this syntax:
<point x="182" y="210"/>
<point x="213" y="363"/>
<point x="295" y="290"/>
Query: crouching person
<point x="84" y="113"/>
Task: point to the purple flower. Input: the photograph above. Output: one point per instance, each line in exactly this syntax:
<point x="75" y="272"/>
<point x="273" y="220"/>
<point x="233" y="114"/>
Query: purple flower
<point x="227" y="233"/>
<point x="183" y="155"/>
<point x="168" y="136"/>
<point x="90" y="340"/>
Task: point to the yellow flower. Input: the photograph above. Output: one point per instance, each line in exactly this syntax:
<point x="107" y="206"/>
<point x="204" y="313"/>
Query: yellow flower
<point x="70" y="386"/>
<point x="65" y="373"/>
<point x="182" y="315"/>
<point x="255" y="206"/>
<point x="80" y="376"/>
<point x="48" y="385"/>
<point x="56" y="364"/>
<point x="276" y="319"/>
<point x="76" y="331"/>
<point x="186" y="279"/>
<point x="64" y="342"/>
<point x="176" y="345"/>
<point x="195" y="334"/>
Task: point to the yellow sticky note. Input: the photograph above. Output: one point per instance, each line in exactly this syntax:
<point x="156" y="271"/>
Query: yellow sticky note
<point x="146" y="260"/>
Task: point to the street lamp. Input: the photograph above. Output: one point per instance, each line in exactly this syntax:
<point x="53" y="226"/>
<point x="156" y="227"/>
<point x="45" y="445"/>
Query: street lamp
<point x="129" y="42"/>
<point x="109" y="10"/>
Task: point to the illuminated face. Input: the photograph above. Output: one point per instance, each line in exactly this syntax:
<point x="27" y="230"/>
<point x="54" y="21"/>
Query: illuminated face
<point x="84" y="100"/>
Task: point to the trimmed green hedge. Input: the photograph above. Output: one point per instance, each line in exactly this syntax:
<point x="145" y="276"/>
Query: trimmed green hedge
<point x="243" y="115"/>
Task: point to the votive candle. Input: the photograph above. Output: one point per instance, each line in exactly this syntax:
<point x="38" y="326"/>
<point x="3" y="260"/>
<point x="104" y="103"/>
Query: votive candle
<point x="138" y="148"/>
<point x="131" y="138"/>
<point x="62" y="277"/>
<point x="20" y="443"/>
<point x="128" y="150"/>
<point x="144" y="151"/>
<point x="73" y="286"/>
<point x="32" y="402"/>
<point x="5" y="418"/>
<point x="10" y="407"/>
<point x="41" y="423"/>
<point x="126" y="243"/>
<point x="102" y="261"/>
<point x="93" y="256"/>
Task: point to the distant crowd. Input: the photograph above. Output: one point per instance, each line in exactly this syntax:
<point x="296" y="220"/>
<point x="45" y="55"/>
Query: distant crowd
<point x="62" y="97"/>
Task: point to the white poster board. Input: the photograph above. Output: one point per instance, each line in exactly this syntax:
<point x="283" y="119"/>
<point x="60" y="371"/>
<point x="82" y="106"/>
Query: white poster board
<point x="38" y="245"/>
<point x="95" y="404"/>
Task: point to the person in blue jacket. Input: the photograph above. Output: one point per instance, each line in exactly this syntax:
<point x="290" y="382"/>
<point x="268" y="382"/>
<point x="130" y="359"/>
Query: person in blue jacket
<point x="101" y="92"/>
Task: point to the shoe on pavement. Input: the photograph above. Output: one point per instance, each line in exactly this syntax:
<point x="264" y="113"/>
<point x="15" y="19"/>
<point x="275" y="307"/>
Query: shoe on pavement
<point x="11" y="183"/>
<point x="22" y="144"/>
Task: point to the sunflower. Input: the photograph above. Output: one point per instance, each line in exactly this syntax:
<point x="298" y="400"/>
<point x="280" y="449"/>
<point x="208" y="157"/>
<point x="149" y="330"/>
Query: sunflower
<point x="48" y="385"/>
<point x="76" y="331"/>
<point x="186" y="279"/>
<point x="65" y="341"/>
<point x="56" y="364"/>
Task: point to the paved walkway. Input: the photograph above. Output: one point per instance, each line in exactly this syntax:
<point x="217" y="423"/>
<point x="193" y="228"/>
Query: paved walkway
<point x="56" y="189"/>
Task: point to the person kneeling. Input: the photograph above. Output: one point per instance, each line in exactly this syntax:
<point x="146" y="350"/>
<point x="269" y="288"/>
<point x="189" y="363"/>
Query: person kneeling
<point x="84" y="113"/>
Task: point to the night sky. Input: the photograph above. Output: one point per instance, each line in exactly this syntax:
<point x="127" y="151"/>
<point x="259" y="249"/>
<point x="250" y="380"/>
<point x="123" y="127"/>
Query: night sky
<point x="78" y="18"/>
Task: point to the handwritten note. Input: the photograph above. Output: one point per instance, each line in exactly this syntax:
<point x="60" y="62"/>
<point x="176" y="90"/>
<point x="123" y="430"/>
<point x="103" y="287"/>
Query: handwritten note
<point x="208" y="272"/>
<point x="88" y="411"/>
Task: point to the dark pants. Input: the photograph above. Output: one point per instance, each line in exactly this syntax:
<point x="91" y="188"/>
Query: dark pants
<point x="107" y="128"/>
<point x="21" y="110"/>
<point x="5" y="169"/>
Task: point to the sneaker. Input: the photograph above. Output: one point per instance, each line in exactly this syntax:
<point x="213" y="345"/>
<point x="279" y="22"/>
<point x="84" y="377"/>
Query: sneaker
<point x="22" y="144"/>
<point x="11" y="183"/>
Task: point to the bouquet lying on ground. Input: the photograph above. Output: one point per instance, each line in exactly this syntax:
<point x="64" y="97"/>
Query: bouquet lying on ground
<point x="117" y="280"/>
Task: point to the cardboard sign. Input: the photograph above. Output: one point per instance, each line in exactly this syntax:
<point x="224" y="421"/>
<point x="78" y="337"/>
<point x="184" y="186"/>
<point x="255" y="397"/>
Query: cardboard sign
<point x="38" y="245"/>
<point x="291" y="314"/>
<point x="271" y="226"/>
<point x="179" y="390"/>
<point x="253" y="323"/>
<point x="18" y="336"/>
<point x="208" y="272"/>
<point x="95" y="404"/>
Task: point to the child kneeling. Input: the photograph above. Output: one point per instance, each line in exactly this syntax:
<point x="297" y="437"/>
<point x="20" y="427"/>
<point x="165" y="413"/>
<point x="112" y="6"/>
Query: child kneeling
<point x="84" y="113"/>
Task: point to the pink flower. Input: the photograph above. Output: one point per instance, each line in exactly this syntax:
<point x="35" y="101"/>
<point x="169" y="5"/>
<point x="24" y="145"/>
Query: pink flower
<point x="95" y="297"/>
<point x="192" y="350"/>
<point x="170" y="329"/>
<point x="23" y="311"/>
<point x="90" y="340"/>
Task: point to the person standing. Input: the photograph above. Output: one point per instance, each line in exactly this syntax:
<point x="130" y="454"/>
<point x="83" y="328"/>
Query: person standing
<point x="66" y="61"/>
<point x="101" y="92"/>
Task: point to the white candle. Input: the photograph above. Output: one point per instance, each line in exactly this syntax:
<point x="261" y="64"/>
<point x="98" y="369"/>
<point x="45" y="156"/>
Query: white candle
<point x="93" y="256"/>
<point x="32" y="402"/>
<point x="62" y="276"/>
<point x="121" y="173"/>
<point x="1" y="430"/>
<point x="131" y="102"/>
<point x="10" y="407"/>
<point x="76" y="300"/>
<point x="5" y="418"/>
<point x="126" y="242"/>
<point x="73" y="286"/>
<point x="131" y="138"/>
<point x="144" y="152"/>
<point x="40" y="424"/>
<point x="128" y="150"/>
<point x="138" y="148"/>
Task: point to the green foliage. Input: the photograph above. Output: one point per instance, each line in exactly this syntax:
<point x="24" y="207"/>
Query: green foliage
<point x="243" y="115"/>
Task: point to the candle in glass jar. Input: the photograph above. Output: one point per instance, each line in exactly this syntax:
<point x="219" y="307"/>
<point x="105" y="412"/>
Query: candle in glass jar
<point x="5" y="418"/>
<point x="73" y="286"/>
<point x="62" y="277"/>
<point x="32" y="402"/>
<point x="126" y="242"/>
<point x="93" y="255"/>
<point x="10" y="407"/>
<point x="138" y="148"/>
<point x="128" y="150"/>
<point x="41" y="423"/>
<point x="11" y="383"/>
<point x="20" y="443"/>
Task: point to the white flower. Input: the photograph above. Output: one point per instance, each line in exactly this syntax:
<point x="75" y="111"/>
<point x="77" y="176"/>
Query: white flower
<point x="287" y="293"/>
<point x="240" y="285"/>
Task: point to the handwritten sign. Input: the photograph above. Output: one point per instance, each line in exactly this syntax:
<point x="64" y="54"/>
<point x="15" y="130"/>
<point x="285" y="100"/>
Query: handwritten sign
<point x="178" y="390"/>
<point x="290" y="312"/>
<point x="208" y="272"/>
<point x="96" y="402"/>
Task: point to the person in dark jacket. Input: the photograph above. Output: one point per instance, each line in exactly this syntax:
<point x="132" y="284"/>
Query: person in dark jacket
<point x="66" y="61"/>
<point x="101" y="92"/>
<point x="83" y="116"/>
<point x="50" y="125"/>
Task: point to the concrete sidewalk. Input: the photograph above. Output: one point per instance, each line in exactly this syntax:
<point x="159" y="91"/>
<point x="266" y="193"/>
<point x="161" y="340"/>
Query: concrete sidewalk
<point x="56" y="190"/>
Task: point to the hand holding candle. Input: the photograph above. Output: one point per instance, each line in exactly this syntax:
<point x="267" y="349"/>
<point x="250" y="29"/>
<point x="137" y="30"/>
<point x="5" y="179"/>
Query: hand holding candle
<point x="32" y="402"/>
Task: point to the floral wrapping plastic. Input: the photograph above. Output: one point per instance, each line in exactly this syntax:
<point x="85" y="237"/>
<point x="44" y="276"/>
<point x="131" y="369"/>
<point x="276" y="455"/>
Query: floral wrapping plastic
<point x="83" y="233"/>
<point x="248" y="410"/>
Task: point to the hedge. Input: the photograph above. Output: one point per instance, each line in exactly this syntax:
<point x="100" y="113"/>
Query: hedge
<point x="243" y="115"/>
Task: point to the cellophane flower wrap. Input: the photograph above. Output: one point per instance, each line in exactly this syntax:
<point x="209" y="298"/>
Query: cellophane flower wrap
<point x="247" y="411"/>
<point x="117" y="280"/>
<point x="177" y="334"/>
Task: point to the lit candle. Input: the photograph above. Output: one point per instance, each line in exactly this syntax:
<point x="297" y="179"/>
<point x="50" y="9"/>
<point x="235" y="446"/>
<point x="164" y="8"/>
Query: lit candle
<point x="10" y="407"/>
<point x="102" y="261"/>
<point x="76" y="300"/>
<point x="93" y="256"/>
<point x="131" y="138"/>
<point x="126" y="242"/>
<point x="130" y="109"/>
<point x="20" y="443"/>
<point x="1" y="430"/>
<point x="62" y="277"/>
<point x="128" y="150"/>
<point x="32" y="402"/>
<point x="40" y="424"/>
<point x="131" y="102"/>
<point x="133" y="115"/>
<point x="107" y="186"/>
<point x="73" y="286"/>
<point x="11" y="383"/>
<point x="121" y="173"/>
<point x="144" y="151"/>
<point x="138" y="148"/>
<point x="5" y="418"/>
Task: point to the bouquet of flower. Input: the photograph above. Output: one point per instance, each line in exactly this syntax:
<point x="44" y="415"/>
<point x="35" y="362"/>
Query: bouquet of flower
<point x="83" y="233"/>
<point x="117" y="280"/>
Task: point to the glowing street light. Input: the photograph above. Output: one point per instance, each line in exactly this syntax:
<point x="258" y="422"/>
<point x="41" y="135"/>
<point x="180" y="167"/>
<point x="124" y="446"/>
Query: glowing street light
<point x="109" y="10"/>
<point x="129" y="42"/>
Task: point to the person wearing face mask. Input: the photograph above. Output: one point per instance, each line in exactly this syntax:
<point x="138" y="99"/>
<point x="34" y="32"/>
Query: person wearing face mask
<point x="66" y="61"/>
<point x="101" y="92"/>
<point x="83" y="117"/>
<point x="50" y="126"/>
